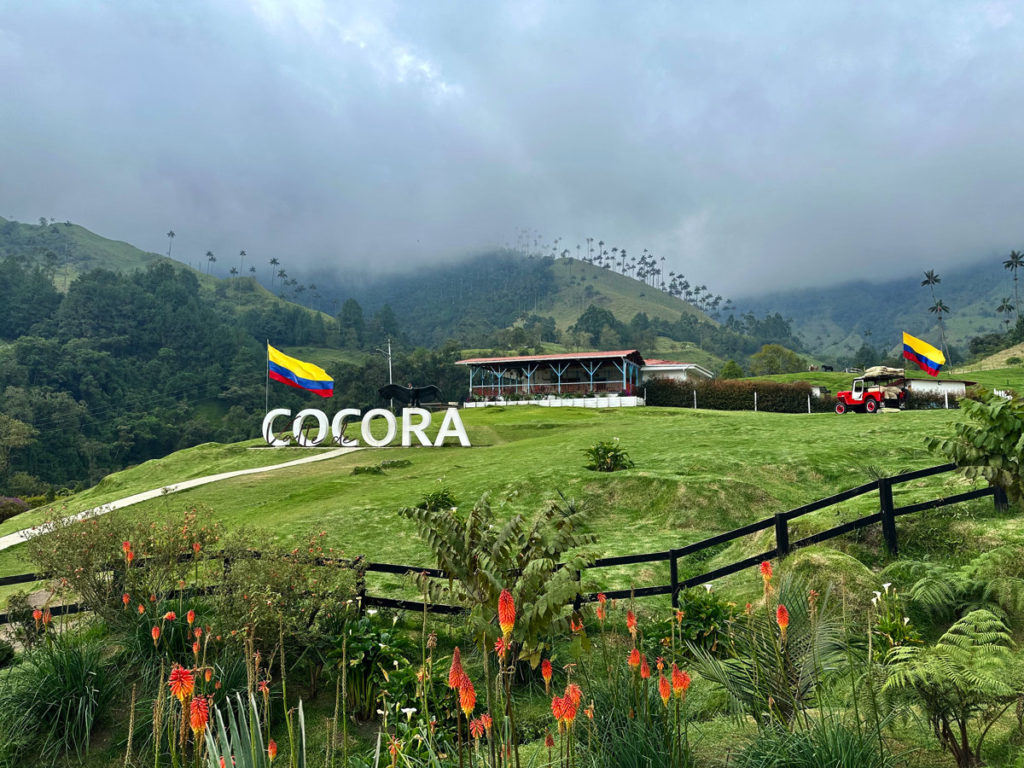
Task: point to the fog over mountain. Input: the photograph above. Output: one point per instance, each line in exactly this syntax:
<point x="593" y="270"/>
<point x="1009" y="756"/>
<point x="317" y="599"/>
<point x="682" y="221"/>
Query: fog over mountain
<point x="754" y="146"/>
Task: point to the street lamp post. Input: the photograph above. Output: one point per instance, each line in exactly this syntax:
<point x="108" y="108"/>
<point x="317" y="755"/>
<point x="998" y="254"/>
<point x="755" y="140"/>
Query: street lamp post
<point x="387" y="354"/>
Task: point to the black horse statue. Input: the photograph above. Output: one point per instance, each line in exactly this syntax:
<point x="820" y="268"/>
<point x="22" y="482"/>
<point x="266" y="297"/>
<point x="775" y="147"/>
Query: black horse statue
<point x="410" y="396"/>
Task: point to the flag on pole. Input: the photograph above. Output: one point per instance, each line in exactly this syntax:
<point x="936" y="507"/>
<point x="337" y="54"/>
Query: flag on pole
<point x="295" y="373"/>
<point x="924" y="354"/>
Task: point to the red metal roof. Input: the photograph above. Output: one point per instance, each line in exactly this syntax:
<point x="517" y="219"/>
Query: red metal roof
<point x="619" y="353"/>
<point x="655" y="361"/>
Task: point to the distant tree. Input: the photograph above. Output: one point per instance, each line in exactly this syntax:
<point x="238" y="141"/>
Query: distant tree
<point x="210" y="258"/>
<point x="931" y="279"/>
<point x="234" y="271"/>
<point x="241" y="258"/>
<point x="1015" y="262"/>
<point x="273" y="264"/>
<point x="252" y="269"/>
<point x="775" y="358"/>
<point x="42" y="221"/>
<point x="1005" y="308"/>
<point x="170" y="242"/>
<point x="731" y="370"/>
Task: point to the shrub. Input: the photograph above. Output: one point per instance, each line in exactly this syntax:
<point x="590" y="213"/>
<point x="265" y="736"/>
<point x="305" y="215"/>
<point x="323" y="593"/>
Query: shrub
<point x="27" y="630"/>
<point x="11" y="506"/>
<point x="1014" y="360"/>
<point x="442" y="498"/>
<point x="990" y="443"/>
<point x="736" y="395"/>
<point x="53" y="700"/>
<point x="6" y="653"/>
<point x="607" y="456"/>
<point x="827" y="743"/>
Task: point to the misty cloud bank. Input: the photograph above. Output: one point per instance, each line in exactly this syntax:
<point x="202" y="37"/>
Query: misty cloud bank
<point x="755" y="146"/>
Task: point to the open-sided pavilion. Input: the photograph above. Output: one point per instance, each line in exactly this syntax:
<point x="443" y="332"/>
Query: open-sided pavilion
<point x="620" y="371"/>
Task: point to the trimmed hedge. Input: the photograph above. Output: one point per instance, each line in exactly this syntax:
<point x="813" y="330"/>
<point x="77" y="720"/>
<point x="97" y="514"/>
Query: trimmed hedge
<point x="772" y="396"/>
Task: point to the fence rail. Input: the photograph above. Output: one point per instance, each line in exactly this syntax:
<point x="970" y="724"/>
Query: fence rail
<point x="780" y="522"/>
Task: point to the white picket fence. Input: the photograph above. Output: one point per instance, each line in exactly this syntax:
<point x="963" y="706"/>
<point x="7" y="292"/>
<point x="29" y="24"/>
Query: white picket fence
<point x="612" y="401"/>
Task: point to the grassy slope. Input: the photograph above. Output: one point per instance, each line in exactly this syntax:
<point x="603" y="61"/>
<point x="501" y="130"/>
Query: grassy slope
<point x="622" y="296"/>
<point x="697" y="473"/>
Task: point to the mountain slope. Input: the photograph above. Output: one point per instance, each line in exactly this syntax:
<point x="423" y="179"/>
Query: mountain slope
<point x="839" y="319"/>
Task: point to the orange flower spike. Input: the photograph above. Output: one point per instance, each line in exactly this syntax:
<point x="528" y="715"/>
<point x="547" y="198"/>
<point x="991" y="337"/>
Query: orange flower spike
<point x="645" y="669"/>
<point x="679" y="616"/>
<point x="549" y="741"/>
<point x="574" y="694"/>
<point x="782" y="617"/>
<point x="634" y="658"/>
<point x="500" y="647"/>
<point x="545" y="672"/>
<point x="272" y="750"/>
<point x="196" y="546"/>
<point x="467" y="696"/>
<point x="601" y="599"/>
<point x="195" y="649"/>
<point x="142" y="609"/>
<point x="476" y="728"/>
<point x="129" y="556"/>
<point x="558" y="708"/>
<point x="589" y="711"/>
<point x="190" y="617"/>
<point x="664" y="689"/>
<point x="680" y="681"/>
<point x="222" y="763"/>
<point x="569" y="716"/>
<point x="181" y="683"/>
<point x="170" y="616"/>
<point x="455" y="671"/>
<point x="126" y="547"/>
<point x="574" y="626"/>
<point x="487" y="721"/>
<point x="506" y="612"/>
<point x="600" y="613"/>
<point x="766" y="576"/>
<point x="208" y="674"/>
<point x="631" y="623"/>
<point x="199" y="715"/>
<point x="37" y="616"/>
<point x="660" y="663"/>
<point x="155" y="632"/>
<point x="126" y="598"/>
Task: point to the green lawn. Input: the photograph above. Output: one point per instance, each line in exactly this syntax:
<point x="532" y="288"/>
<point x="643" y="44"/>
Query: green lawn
<point x="697" y="473"/>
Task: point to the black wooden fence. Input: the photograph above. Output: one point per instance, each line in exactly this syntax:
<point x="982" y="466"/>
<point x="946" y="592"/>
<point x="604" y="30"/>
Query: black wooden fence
<point x="887" y="514"/>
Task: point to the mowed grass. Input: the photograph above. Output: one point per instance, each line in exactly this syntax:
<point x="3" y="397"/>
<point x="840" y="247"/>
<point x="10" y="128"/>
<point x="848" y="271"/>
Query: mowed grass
<point x="697" y="473"/>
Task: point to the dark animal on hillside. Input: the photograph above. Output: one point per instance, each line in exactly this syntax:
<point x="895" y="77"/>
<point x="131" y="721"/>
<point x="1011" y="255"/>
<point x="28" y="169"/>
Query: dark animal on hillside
<point x="411" y="396"/>
<point x="826" y="367"/>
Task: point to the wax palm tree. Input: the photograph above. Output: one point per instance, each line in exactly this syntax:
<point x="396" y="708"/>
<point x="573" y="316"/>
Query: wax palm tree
<point x="273" y="264"/>
<point x="940" y="308"/>
<point x="241" y="257"/>
<point x="211" y="259"/>
<point x="931" y="279"/>
<point x="1013" y="263"/>
<point x="1005" y="308"/>
<point x="170" y="242"/>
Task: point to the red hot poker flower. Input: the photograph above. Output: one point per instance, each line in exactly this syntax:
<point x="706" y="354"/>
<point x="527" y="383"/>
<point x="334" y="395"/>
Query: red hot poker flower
<point x="549" y="741"/>
<point x="467" y="696"/>
<point x="47" y="617"/>
<point x="634" y="658"/>
<point x="272" y="750"/>
<point x="455" y="671"/>
<point x="487" y="722"/>
<point x="37" y="616"/>
<point x="601" y="598"/>
<point x="170" y="616"/>
<point x="574" y="626"/>
<point x="680" y="681"/>
<point x="155" y="632"/>
<point x="782" y="617"/>
<point x="190" y="617"/>
<point x="199" y="715"/>
<point x="545" y="672"/>
<point x="664" y="689"/>
<point x="126" y="598"/>
<point x="631" y="623"/>
<point x="766" y="570"/>
<point x="600" y="613"/>
<point x="476" y="728"/>
<point x="181" y="683"/>
<point x="645" y="669"/>
<point x="506" y="612"/>
<point x="126" y="547"/>
<point x="574" y="694"/>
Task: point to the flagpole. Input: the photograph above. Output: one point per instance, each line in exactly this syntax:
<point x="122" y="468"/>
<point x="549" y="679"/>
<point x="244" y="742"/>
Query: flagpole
<point x="266" y="383"/>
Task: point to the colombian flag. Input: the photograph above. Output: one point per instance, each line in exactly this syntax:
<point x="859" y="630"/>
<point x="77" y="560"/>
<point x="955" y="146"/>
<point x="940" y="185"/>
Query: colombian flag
<point x="298" y="374"/>
<point x="924" y="354"/>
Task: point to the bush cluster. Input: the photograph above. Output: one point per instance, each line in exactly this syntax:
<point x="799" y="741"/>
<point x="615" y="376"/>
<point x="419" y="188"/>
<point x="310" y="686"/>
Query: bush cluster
<point x="736" y="395"/>
<point x="11" y="506"/>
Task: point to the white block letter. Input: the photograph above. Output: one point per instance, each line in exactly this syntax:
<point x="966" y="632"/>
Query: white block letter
<point x="389" y="417"/>
<point x="337" y="428"/>
<point x="321" y="431"/>
<point x="268" y="427"/>
<point x="411" y="427"/>
<point x="452" y="427"/>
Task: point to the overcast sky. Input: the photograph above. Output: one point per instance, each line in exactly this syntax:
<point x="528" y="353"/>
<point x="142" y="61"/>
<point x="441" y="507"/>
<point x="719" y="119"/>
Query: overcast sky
<point x="754" y="145"/>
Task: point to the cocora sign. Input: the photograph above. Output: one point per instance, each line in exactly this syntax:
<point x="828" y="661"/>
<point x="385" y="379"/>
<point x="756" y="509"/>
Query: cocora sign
<point x="415" y="422"/>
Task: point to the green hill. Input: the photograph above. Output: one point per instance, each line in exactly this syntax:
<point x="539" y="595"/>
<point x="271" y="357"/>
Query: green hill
<point x="838" y="320"/>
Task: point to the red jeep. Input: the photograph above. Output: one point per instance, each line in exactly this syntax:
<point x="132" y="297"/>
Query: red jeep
<point x="878" y="388"/>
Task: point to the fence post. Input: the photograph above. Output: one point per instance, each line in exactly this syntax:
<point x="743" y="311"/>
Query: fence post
<point x="808" y="404"/>
<point x="781" y="535"/>
<point x="999" y="496"/>
<point x="673" y="576"/>
<point x="755" y="401"/>
<point x="695" y="399"/>
<point x="888" y="515"/>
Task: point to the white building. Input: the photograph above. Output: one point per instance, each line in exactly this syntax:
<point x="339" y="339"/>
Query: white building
<point x="669" y="369"/>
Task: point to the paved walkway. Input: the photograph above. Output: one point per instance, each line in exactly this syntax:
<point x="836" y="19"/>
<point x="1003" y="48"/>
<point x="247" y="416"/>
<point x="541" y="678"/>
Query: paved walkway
<point x="18" y="537"/>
